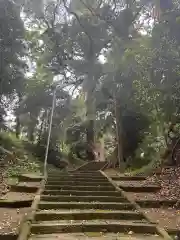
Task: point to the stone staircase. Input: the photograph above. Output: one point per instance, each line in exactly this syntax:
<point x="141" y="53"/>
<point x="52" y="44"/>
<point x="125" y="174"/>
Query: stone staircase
<point x="92" y="166"/>
<point x="85" y="205"/>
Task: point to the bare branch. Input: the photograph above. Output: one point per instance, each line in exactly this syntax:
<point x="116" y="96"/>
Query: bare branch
<point x="54" y="14"/>
<point x="115" y="6"/>
<point x="79" y="21"/>
<point x="100" y="3"/>
<point x="88" y="7"/>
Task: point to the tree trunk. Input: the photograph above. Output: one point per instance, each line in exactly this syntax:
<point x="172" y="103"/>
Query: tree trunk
<point x="18" y="122"/>
<point x="41" y="130"/>
<point x="90" y="114"/>
<point x="31" y="133"/>
<point x="118" y="134"/>
<point x="90" y="109"/>
<point x="90" y="132"/>
<point x="32" y="126"/>
<point x="18" y="127"/>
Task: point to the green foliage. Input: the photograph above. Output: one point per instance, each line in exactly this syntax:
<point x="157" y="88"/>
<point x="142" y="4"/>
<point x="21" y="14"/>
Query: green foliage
<point x="9" y="141"/>
<point x="12" y="48"/>
<point x="27" y="164"/>
<point x="23" y="160"/>
<point x="128" y="98"/>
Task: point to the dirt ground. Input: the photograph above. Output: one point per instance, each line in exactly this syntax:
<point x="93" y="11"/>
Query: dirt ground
<point x="168" y="218"/>
<point x="144" y="196"/>
<point x="169" y="180"/>
<point x="10" y="219"/>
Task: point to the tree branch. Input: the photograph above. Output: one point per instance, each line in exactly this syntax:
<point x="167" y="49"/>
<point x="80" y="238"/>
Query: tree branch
<point x="88" y="7"/>
<point x="54" y="14"/>
<point x="79" y="21"/>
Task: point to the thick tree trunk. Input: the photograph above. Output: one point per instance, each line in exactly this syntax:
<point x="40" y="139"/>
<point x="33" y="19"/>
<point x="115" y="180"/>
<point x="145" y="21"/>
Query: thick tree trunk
<point x="119" y="134"/>
<point x="90" y="108"/>
<point x="90" y="132"/>
<point x="90" y="114"/>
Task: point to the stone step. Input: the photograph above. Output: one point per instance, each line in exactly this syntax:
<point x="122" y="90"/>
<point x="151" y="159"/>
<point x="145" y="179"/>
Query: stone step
<point x="86" y="174"/>
<point x="88" y="215"/>
<point x="85" y="205"/>
<point x="78" y="176"/>
<point x="83" y="175"/>
<point x="92" y="166"/>
<point x="82" y="188"/>
<point x="81" y="193"/>
<point x="95" y="236"/>
<point x="25" y="178"/>
<point x="23" y="188"/>
<point x="75" y="178"/>
<point x="156" y="203"/>
<point x="90" y="226"/>
<point x="128" y="178"/>
<point x="75" y="182"/>
<point x="140" y="188"/>
<point x="61" y="198"/>
<point x="8" y="236"/>
<point x="5" y="203"/>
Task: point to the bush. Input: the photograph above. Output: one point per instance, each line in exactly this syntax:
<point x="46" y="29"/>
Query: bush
<point x="9" y="141"/>
<point x="21" y="160"/>
<point x="148" y="155"/>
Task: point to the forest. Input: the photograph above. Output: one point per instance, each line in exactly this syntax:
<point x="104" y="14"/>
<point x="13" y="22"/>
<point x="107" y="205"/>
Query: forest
<point x="115" y="66"/>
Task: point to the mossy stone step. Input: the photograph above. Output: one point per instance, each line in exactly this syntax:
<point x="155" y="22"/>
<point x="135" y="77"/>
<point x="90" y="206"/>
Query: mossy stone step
<point x="75" y="182"/>
<point x="156" y="203"/>
<point x="4" y="203"/>
<point x="77" y="176"/>
<point x="26" y="178"/>
<point x="98" y="174"/>
<point x="88" y="215"/>
<point x="8" y="237"/>
<point x="173" y="232"/>
<point x="66" y="198"/>
<point x="71" y="178"/>
<point x="85" y="171"/>
<point x="23" y="188"/>
<point x="128" y="178"/>
<point x="95" y="236"/>
<point x="137" y="189"/>
<point x="85" y="205"/>
<point x="125" y="227"/>
<point x="82" y="188"/>
<point x="81" y="193"/>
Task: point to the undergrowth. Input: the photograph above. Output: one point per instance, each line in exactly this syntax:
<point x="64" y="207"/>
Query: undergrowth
<point x="148" y="156"/>
<point x="23" y="161"/>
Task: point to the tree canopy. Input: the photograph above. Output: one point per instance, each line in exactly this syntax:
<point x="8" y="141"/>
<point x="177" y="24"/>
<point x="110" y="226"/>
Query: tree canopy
<point x="116" y="64"/>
